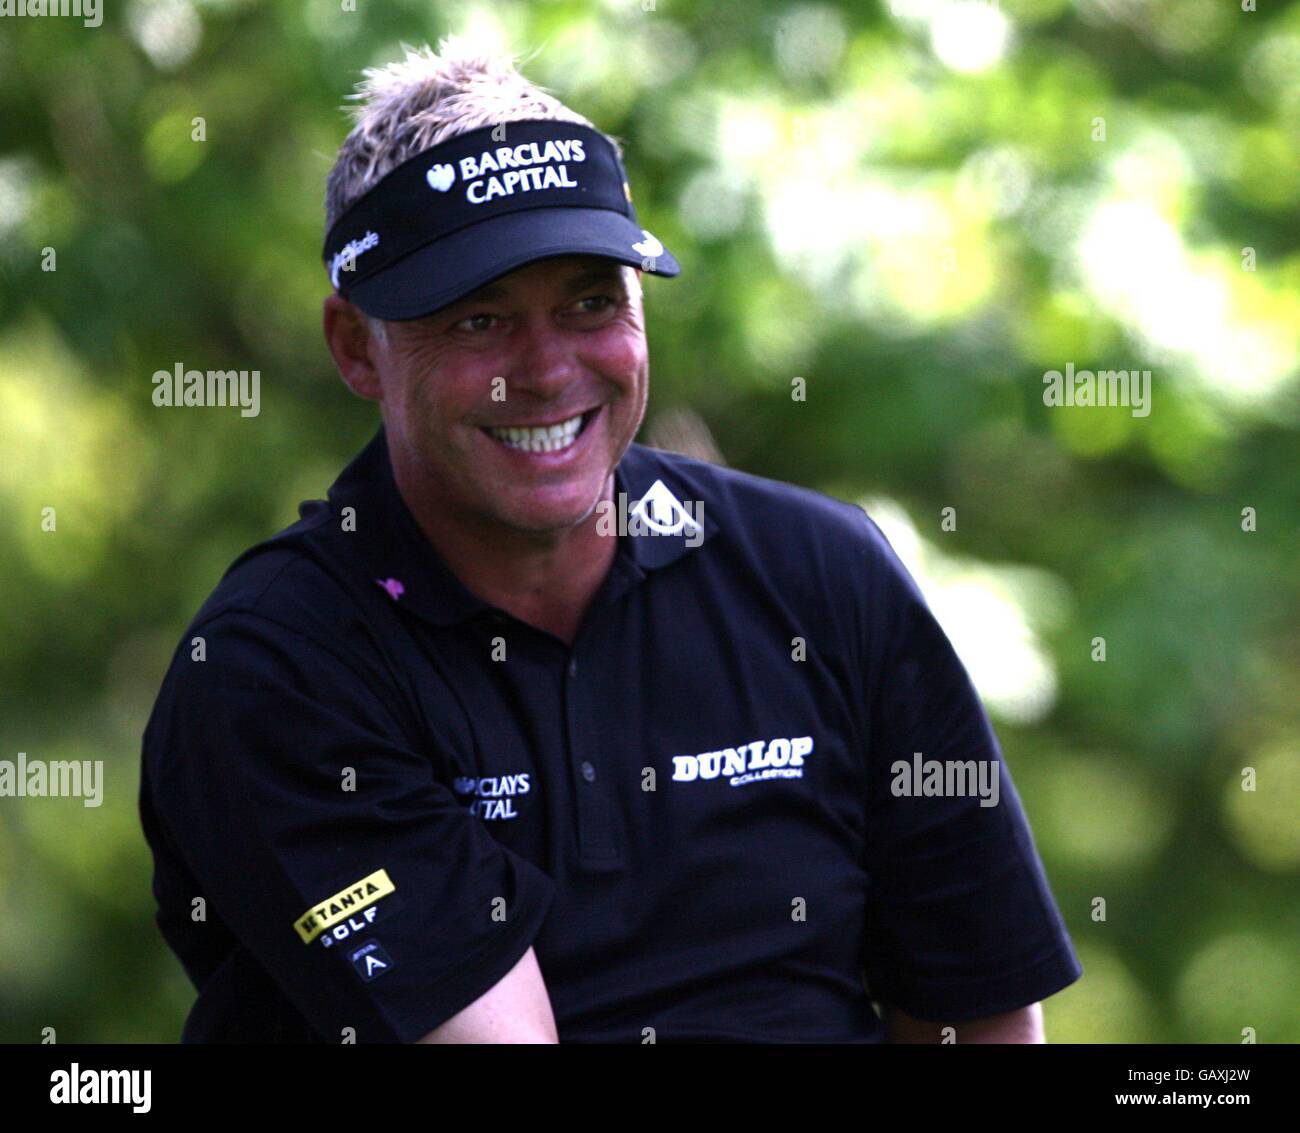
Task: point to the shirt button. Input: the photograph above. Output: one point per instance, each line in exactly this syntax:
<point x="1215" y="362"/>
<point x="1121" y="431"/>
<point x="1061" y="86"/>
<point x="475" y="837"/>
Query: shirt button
<point x="573" y="666"/>
<point x="588" y="772"/>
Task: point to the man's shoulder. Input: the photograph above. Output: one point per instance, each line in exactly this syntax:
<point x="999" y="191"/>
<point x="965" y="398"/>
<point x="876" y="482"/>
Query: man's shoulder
<point x="292" y="580"/>
<point x="286" y="613"/>
<point x="747" y="505"/>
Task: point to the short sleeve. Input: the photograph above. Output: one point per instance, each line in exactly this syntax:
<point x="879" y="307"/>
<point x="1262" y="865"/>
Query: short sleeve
<point x="321" y="838"/>
<point x="960" y="922"/>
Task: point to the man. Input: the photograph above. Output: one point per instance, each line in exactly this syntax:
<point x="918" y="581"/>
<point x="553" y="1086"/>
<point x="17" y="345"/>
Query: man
<point x="530" y="732"/>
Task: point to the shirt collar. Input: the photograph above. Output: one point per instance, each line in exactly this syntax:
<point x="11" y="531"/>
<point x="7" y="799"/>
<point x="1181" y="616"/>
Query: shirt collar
<point x="386" y="542"/>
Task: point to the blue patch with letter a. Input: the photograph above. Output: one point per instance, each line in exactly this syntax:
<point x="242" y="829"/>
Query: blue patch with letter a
<point x="370" y="960"/>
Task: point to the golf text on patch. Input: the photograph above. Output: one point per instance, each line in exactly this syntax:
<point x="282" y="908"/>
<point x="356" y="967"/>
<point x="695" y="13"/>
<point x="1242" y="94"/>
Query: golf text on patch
<point x="101" y="1087"/>
<point x="523" y="168"/>
<point x="494" y="795"/>
<point x="344" y="903"/>
<point x="748" y="763"/>
<point x="951" y="778"/>
<point x="62" y="778"/>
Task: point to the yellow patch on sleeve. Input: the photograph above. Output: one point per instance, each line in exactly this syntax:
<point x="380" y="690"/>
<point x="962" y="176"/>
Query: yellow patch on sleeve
<point x="343" y="904"/>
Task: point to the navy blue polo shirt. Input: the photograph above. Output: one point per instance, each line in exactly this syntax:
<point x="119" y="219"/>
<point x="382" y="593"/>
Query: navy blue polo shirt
<point x="369" y="791"/>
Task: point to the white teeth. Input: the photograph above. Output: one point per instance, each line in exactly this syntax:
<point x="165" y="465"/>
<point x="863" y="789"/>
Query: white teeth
<point x="546" y="438"/>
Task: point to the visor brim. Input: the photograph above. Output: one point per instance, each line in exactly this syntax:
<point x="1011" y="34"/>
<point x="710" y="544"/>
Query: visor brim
<point x="447" y="270"/>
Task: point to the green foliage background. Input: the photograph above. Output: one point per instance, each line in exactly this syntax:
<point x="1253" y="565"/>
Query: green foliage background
<point x="885" y="202"/>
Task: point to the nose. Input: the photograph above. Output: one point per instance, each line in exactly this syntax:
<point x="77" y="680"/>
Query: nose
<point x="546" y="362"/>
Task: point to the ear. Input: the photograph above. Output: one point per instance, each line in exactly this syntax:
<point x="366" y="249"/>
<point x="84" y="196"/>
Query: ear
<point x="347" y="332"/>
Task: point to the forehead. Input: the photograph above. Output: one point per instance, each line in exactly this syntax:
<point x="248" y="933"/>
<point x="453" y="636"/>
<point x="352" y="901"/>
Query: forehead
<point x="555" y="273"/>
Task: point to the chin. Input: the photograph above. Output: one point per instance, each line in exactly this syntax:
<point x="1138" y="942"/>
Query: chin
<point x="552" y="515"/>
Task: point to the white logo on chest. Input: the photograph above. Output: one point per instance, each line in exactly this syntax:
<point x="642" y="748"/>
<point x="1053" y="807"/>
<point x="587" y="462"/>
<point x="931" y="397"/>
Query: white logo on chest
<point x="749" y="763"/>
<point x="493" y="795"/>
<point x="662" y="512"/>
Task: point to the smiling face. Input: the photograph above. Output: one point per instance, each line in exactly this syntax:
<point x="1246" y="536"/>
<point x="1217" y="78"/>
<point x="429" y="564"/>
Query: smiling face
<point x="508" y="411"/>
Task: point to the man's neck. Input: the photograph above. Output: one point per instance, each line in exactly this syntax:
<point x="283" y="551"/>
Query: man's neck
<point x="546" y="579"/>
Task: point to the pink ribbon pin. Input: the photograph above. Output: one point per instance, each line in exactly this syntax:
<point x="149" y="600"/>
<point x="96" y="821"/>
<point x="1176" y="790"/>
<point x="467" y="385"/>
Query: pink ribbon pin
<point x="393" y="586"/>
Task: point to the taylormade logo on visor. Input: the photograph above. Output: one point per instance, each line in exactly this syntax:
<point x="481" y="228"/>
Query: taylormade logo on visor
<point x="522" y="168"/>
<point x="347" y="255"/>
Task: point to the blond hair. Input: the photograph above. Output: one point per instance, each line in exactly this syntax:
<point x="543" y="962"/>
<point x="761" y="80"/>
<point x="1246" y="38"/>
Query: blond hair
<point x="425" y="99"/>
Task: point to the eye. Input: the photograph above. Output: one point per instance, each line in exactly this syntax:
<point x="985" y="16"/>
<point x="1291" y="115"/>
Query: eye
<point x="605" y="301"/>
<point x="474" y="319"/>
